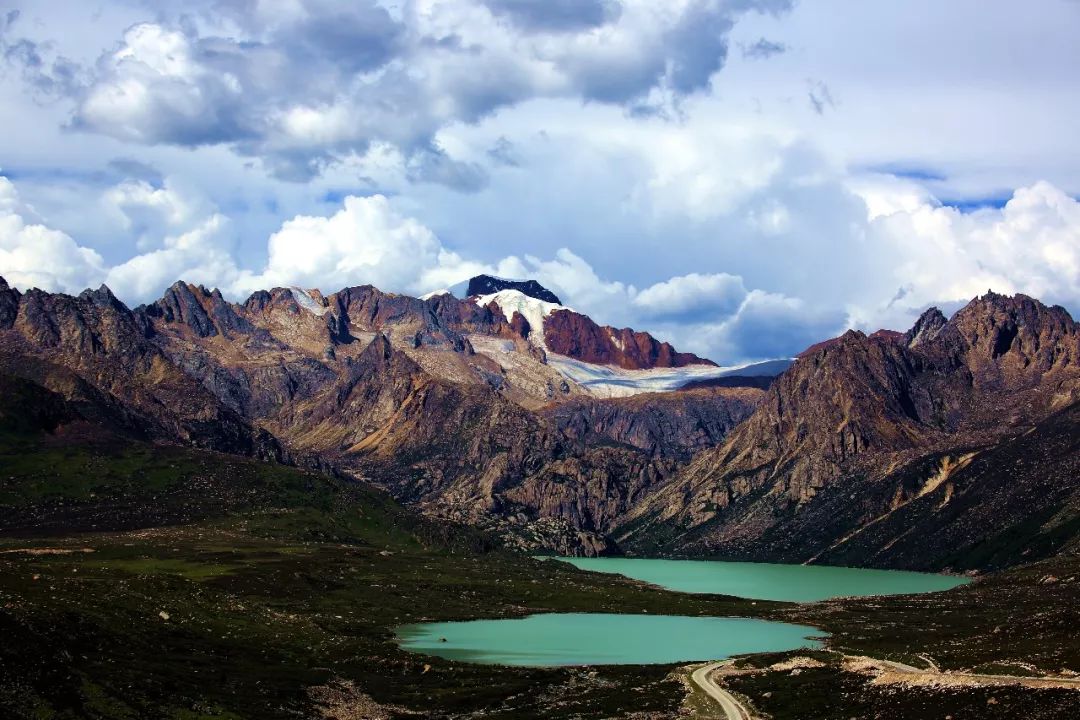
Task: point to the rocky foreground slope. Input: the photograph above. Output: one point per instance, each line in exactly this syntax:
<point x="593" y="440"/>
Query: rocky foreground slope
<point x="953" y="445"/>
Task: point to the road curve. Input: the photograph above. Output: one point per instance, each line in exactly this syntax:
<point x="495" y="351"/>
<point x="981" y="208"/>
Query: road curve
<point x="734" y="709"/>
<point x="986" y="679"/>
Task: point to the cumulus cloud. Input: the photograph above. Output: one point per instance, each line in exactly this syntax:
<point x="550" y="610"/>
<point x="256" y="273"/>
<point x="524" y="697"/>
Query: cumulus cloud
<point x="200" y="255"/>
<point x="1031" y="245"/>
<point x="316" y="81"/>
<point x="692" y="296"/>
<point x="924" y="253"/>
<point x="33" y="255"/>
<point x="149" y="212"/>
<point x="161" y="87"/>
<point x="366" y="242"/>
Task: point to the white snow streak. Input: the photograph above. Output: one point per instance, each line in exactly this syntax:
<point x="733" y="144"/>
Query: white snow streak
<point x="307" y="302"/>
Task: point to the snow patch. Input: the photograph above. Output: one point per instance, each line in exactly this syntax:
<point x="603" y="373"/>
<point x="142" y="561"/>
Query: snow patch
<point x="615" y="340"/>
<point x="307" y="302"/>
<point x="533" y="310"/>
<point x="436" y="293"/>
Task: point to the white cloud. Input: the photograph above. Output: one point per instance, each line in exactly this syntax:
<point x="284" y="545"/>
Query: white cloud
<point x="319" y="81"/>
<point x="200" y="255"/>
<point x="33" y="255"/>
<point x="917" y="252"/>
<point x="155" y="89"/>
<point x="943" y="255"/>
<point x="366" y="242"/>
<point x="692" y="295"/>
<point x="148" y="213"/>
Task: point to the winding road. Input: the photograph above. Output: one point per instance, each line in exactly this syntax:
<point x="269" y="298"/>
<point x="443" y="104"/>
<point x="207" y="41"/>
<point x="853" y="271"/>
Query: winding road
<point x="701" y="677"/>
<point x="733" y="709"/>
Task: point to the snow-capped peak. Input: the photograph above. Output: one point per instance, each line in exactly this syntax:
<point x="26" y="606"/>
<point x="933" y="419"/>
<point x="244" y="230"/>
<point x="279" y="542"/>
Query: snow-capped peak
<point x="533" y="310"/>
<point x="436" y="293"/>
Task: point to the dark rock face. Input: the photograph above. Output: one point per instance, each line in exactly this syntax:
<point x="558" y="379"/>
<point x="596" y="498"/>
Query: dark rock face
<point x="575" y="335"/>
<point x="487" y="284"/>
<point x="93" y="350"/>
<point x="366" y="308"/>
<point x="468" y="317"/>
<point x="206" y="313"/>
<point x="666" y="425"/>
<point x="520" y="326"/>
<point x="9" y="304"/>
<point x="925" y="328"/>
<point x="872" y="424"/>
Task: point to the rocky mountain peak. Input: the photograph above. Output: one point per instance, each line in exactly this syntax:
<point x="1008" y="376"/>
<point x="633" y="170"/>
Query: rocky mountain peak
<point x="1015" y="335"/>
<point x="206" y="313"/>
<point x="925" y="328"/>
<point x="489" y="284"/>
<point x="9" y="304"/>
<point x="102" y="297"/>
<point x="378" y="352"/>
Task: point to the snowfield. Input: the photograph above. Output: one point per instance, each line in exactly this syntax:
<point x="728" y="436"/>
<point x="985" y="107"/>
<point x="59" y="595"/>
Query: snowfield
<point x="612" y="381"/>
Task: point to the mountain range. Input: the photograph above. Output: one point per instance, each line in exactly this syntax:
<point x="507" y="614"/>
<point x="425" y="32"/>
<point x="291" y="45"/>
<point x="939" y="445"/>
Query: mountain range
<point x="953" y="445"/>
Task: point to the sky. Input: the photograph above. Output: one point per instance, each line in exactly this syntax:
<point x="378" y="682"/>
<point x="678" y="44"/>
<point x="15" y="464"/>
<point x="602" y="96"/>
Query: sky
<point x="740" y="177"/>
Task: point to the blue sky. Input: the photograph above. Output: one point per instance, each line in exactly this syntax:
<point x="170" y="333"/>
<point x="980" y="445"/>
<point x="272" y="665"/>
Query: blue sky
<point x="742" y="177"/>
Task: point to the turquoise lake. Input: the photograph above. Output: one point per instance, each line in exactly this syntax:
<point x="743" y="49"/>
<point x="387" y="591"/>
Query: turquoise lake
<point x="610" y="639"/>
<point x="602" y="639"/>
<point x="761" y="581"/>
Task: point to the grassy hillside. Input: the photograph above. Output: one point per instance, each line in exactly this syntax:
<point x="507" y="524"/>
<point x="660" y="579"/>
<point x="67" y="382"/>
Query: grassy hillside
<point x="140" y="580"/>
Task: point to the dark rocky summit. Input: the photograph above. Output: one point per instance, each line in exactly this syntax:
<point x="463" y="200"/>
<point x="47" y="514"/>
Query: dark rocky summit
<point x="488" y="284"/>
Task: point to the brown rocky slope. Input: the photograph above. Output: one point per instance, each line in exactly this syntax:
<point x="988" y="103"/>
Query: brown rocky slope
<point x="865" y="450"/>
<point x="953" y="445"/>
<point x="384" y="387"/>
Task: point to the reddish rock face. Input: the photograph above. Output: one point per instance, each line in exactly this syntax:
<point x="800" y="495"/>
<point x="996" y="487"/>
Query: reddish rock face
<point x="575" y="335"/>
<point x="520" y="325"/>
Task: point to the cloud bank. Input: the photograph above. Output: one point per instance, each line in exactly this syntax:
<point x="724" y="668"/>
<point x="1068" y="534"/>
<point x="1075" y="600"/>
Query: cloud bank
<point x="302" y="84"/>
<point x="1030" y="245"/>
<point x="740" y="177"/>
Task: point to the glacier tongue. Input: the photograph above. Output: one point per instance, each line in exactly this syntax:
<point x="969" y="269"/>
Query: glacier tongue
<point x="613" y="381"/>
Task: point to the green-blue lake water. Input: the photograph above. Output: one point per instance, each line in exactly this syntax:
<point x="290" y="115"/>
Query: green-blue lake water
<point x="602" y="639"/>
<point x="761" y="581"/>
